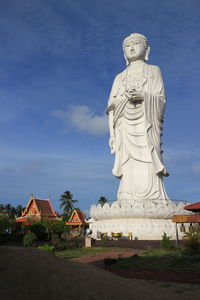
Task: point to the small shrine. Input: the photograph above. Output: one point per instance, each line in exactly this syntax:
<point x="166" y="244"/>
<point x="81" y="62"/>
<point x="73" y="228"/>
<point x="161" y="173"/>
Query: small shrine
<point x="37" y="210"/>
<point x="185" y="222"/>
<point x="78" y="222"/>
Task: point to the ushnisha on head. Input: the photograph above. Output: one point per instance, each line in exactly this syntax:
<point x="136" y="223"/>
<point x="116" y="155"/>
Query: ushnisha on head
<point x="135" y="47"/>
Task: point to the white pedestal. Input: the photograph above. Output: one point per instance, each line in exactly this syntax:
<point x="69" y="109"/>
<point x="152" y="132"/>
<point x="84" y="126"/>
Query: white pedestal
<point x="88" y="242"/>
<point x="142" y="229"/>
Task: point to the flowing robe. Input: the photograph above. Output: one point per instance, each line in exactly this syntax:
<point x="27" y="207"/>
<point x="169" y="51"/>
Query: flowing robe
<point x="138" y="127"/>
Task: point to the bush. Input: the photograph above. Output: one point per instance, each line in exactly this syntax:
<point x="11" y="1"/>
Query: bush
<point x="58" y="243"/>
<point x="30" y="239"/>
<point x="48" y="248"/>
<point x="59" y="227"/>
<point x="66" y="236"/>
<point x="180" y="256"/>
<point x="104" y="241"/>
<point x="166" y="243"/>
<point x="5" y="223"/>
<point x="38" y="228"/>
<point x="109" y="261"/>
<point x="135" y="256"/>
<point x="62" y="245"/>
<point x="193" y="240"/>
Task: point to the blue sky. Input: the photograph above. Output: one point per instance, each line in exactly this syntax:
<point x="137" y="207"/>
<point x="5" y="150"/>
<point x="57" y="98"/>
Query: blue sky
<point x="58" y="60"/>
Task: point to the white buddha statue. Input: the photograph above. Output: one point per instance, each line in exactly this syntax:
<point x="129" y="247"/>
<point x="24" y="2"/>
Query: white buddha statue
<point x="135" y="110"/>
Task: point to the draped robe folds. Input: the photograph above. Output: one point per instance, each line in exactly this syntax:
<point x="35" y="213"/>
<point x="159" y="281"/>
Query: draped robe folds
<point x="138" y="127"/>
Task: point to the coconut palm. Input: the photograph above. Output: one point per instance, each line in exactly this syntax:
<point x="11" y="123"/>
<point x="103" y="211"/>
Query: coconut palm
<point x="102" y="200"/>
<point x="67" y="202"/>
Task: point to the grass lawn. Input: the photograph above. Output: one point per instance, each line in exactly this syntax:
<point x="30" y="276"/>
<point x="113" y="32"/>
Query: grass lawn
<point x="81" y="252"/>
<point x="150" y="259"/>
<point x="159" y="259"/>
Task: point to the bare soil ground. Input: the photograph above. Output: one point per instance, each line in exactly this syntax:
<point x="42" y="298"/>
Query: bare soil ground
<point x="29" y="273"/>
<point x="97" y="259"/>
<point x="162" y="275"/>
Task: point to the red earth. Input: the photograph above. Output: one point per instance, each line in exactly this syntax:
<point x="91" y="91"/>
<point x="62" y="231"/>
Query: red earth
<point x="161" y="275"/>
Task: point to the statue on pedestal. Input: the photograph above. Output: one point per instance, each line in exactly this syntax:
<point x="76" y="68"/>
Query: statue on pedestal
<point x="135" y="109"/>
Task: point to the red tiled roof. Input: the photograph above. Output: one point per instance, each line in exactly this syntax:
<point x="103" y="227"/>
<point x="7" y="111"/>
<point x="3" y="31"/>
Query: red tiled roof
<point x="45" y="207"/>
<point x="193" y="207"/>
<point x="39" y="207"/>
<point x="81" y="215"/>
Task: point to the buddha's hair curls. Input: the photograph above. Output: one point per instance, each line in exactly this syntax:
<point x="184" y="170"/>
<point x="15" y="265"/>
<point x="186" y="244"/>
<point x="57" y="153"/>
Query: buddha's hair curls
<point x="136" y="36"/>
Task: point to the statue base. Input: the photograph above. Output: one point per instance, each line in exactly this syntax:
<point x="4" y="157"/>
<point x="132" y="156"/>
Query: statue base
<point x="139" y="229"/>
<point x="143" y="220"/>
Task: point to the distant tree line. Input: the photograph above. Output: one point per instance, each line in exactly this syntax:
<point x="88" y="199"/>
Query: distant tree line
<point x="11" y="211"/>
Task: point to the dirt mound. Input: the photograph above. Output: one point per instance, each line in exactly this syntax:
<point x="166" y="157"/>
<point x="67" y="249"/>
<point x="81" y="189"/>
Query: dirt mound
<point x="28" y="274"/>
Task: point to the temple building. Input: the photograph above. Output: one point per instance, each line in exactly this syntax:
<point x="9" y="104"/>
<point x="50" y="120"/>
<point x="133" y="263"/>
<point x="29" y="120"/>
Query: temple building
<point x="37" y="210"/>
<point x="185" y="223"/>
<point x="78" y="221"/>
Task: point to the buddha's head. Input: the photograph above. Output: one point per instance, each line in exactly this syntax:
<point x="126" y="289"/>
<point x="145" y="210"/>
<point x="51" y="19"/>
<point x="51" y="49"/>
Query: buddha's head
<point x="135" y="47"/>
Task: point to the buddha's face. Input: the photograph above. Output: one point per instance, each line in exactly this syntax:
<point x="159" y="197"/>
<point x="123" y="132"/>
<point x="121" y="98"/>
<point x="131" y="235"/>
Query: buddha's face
<point x="134" y="49"/>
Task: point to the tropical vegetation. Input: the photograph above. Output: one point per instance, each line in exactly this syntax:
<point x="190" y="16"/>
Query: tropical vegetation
<point x="11" y="211"/>
<point x="102" y="200"/>
<point x="67" y="202"/>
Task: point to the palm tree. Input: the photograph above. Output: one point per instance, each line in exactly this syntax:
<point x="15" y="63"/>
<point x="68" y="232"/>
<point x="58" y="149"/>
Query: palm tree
<point x="102" y="200"/>
<point x="67" y="202"/>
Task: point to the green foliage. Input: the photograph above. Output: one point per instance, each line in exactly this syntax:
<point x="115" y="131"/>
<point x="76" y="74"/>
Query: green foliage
<point x="102" y="200"/>
<point x="65" y="217"/>
<point x="57" y="242"/>
<point x="160" y="259"/>
<point x="59" y="227"/>
<point x="6" y="223"/>
<point x="18" y="210"/>
<point x="11" y="211"/>
<point x="84" y="252"/>
<point x="103" y="241"/>
<point x="179" y="256"/>
<point x="109" y="261"/>
<point x="166" y="243"/>
<point x="67" y="202"/>
<point x="39" y="229"/>
<point x="61" y="244"/>
<point x="135" y="256"/>
<point x="48" y="248"/>
<point x="30" y="239"/>
<point x="66" y="236"/>
<point x="192" y="242"/>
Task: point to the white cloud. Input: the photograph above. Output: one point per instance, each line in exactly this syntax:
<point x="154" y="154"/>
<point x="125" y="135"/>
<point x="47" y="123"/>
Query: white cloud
<point x="83" y="119"/>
